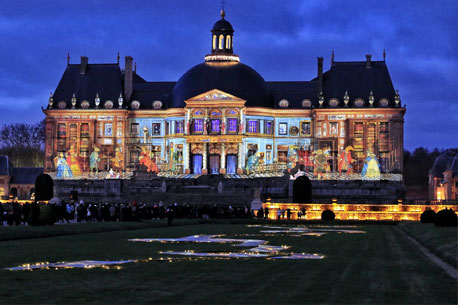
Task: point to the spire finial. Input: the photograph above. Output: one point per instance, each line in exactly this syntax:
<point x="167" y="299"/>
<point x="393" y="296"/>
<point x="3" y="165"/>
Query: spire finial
<point x="223" y="13"/>
<point x="135" y="67"/>
<point x="384" y="55"/>
<point x="332" y="57"/>
<point x="118" y="57"/>
<point x="68" y="59"/>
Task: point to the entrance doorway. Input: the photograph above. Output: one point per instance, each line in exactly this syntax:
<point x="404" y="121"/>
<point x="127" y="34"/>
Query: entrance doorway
<point x="231" y="164"/>
<point x="197" y="164"/>
<point x="214" y="164"/>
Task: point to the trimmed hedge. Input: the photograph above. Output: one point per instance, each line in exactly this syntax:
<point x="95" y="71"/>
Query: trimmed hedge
<point x="328" y="215"/>
<point x="428" y="216"/>
<point x="446" y="218"/>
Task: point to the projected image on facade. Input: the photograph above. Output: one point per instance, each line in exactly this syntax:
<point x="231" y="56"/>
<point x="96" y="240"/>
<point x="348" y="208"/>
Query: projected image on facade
<point x="222" y="117"/>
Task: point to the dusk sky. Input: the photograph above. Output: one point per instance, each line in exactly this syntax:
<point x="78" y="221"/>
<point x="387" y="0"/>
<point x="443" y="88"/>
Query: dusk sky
<point x="279" y="39"/>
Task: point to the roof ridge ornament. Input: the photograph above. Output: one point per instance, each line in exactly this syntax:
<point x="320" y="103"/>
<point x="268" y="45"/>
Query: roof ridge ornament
<point x="371" y="99"/>
<point x="346" y="98"/>
<point x="73" y="101"/>
<point x="51" y="100"/>
<point x="397" y="98"/>
<point x="97" y="100"/>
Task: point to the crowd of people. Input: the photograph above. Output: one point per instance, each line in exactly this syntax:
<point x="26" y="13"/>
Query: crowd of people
<point x="14" y="213"/>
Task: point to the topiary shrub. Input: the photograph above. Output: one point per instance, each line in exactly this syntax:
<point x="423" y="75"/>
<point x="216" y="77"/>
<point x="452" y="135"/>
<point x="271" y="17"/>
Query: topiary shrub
<point x="428" y="216"/>
<point x="446" y="218"/>
<point x="47" y="215"/>
<point x="328" y="215"/>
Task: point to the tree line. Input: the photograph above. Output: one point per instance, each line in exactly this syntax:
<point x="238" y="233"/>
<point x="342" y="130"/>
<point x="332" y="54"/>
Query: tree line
<point x="23" y="143"/>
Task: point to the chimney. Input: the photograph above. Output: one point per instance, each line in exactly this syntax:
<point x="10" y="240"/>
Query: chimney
<point x="320" y="74"/>
<point x="368" y="61"/>
<point x="83" y="66"/>
<point x="128" y="78"/>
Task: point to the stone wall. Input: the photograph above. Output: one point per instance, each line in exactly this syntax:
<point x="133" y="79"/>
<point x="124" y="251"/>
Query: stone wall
<point x="218" y="190"/>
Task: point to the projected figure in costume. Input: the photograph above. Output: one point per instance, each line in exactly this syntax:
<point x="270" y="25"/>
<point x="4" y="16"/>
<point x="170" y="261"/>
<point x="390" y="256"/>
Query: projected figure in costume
<point x="252" y="163"/>
<point x="118" y="161"/>
<point x="147" y="160"/>
<point x="321" y="162"/>
<point x="63" y="170"/>
<point x="72" y="161"/>
<point x="371" y="168"/>
<point x="94" y="160"/>
<point x="346" y="160"/>
<point x="173" y="157"/>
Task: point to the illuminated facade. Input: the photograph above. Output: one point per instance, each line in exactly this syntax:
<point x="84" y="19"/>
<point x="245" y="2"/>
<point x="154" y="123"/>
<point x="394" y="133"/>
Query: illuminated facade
<point x="443" y="177"/>
<point x="388" y="212"/>
<point x="222" y="117"/>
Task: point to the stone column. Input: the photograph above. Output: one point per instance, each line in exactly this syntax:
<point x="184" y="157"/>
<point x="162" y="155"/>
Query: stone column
<point x="223" y="159"/>
<point x="204" y="159"/>
<point x="240" y="159"/>
<point x="187" y="157"/>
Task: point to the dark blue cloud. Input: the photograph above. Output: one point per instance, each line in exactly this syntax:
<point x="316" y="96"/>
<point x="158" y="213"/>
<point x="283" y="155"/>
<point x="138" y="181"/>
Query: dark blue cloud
<point x="280" y="39"/>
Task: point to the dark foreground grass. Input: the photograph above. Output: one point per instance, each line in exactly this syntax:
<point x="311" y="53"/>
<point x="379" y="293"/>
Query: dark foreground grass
<point x="442" y="241"/>
<point x="379" y="267"/>
<point x="26" y="232"/>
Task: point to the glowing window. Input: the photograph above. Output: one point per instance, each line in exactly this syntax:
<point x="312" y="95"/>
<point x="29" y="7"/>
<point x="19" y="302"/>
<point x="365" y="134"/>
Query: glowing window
<point x="221" y="42"/>
<point x="252" y="126"/>
<point x="228" y="42"/>
<point x="215" y="126"/>
<point x="214" y="41"/>
<point x="198" y="126"/>
<point x="268" y="127"/>
<point x="232" y="125"/>
<point x="179" y="127"/>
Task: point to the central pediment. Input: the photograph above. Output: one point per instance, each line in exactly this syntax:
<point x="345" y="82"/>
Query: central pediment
<point x="215" y="97"/>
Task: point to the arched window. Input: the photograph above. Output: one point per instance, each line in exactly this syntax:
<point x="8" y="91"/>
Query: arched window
<point x="214" y="42"/>
<point x="228" y="42"/>
<point x="221" y="42"/>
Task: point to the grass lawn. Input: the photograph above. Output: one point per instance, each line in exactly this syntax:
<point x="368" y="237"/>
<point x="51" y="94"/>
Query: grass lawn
<point x="442" y="241"/>
<point x="378" y="267"/>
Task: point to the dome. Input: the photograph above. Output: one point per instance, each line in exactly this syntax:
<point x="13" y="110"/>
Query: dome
<point x="445" y="161"/>
<point x="223" y="25"/>
<point x="231" y="77"/>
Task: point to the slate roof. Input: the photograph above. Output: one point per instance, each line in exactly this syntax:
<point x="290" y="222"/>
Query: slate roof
<point x="104" y="79"/>
<point x="107" y="80"/>
<point x="25" y="175"/>
<point x="5" y="166"/>
<point x="359" y="81"/>
<point x="148" y="92"/>
<point x="293" y="92"/>
<point x="445" y="161"/>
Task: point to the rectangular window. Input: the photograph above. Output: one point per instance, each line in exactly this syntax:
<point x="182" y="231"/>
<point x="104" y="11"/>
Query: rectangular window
<point x="215" y="128"/>
<point x="283" y="129"/>
<point x="108" y="130"/>
<point x="179" y="127"/>
<point x="253" y="126"/>
<point x="119" y="132"/>
<point x="198" y="126"/>
<point x="333" y="129"/>
<point x="134" y="156"/>
<point x="134" y="129"/>
<point x="61" y="137"/>
<point x="268" y="128"/>
<point x="231" y="125"/>
<point x="156" y="129"/>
